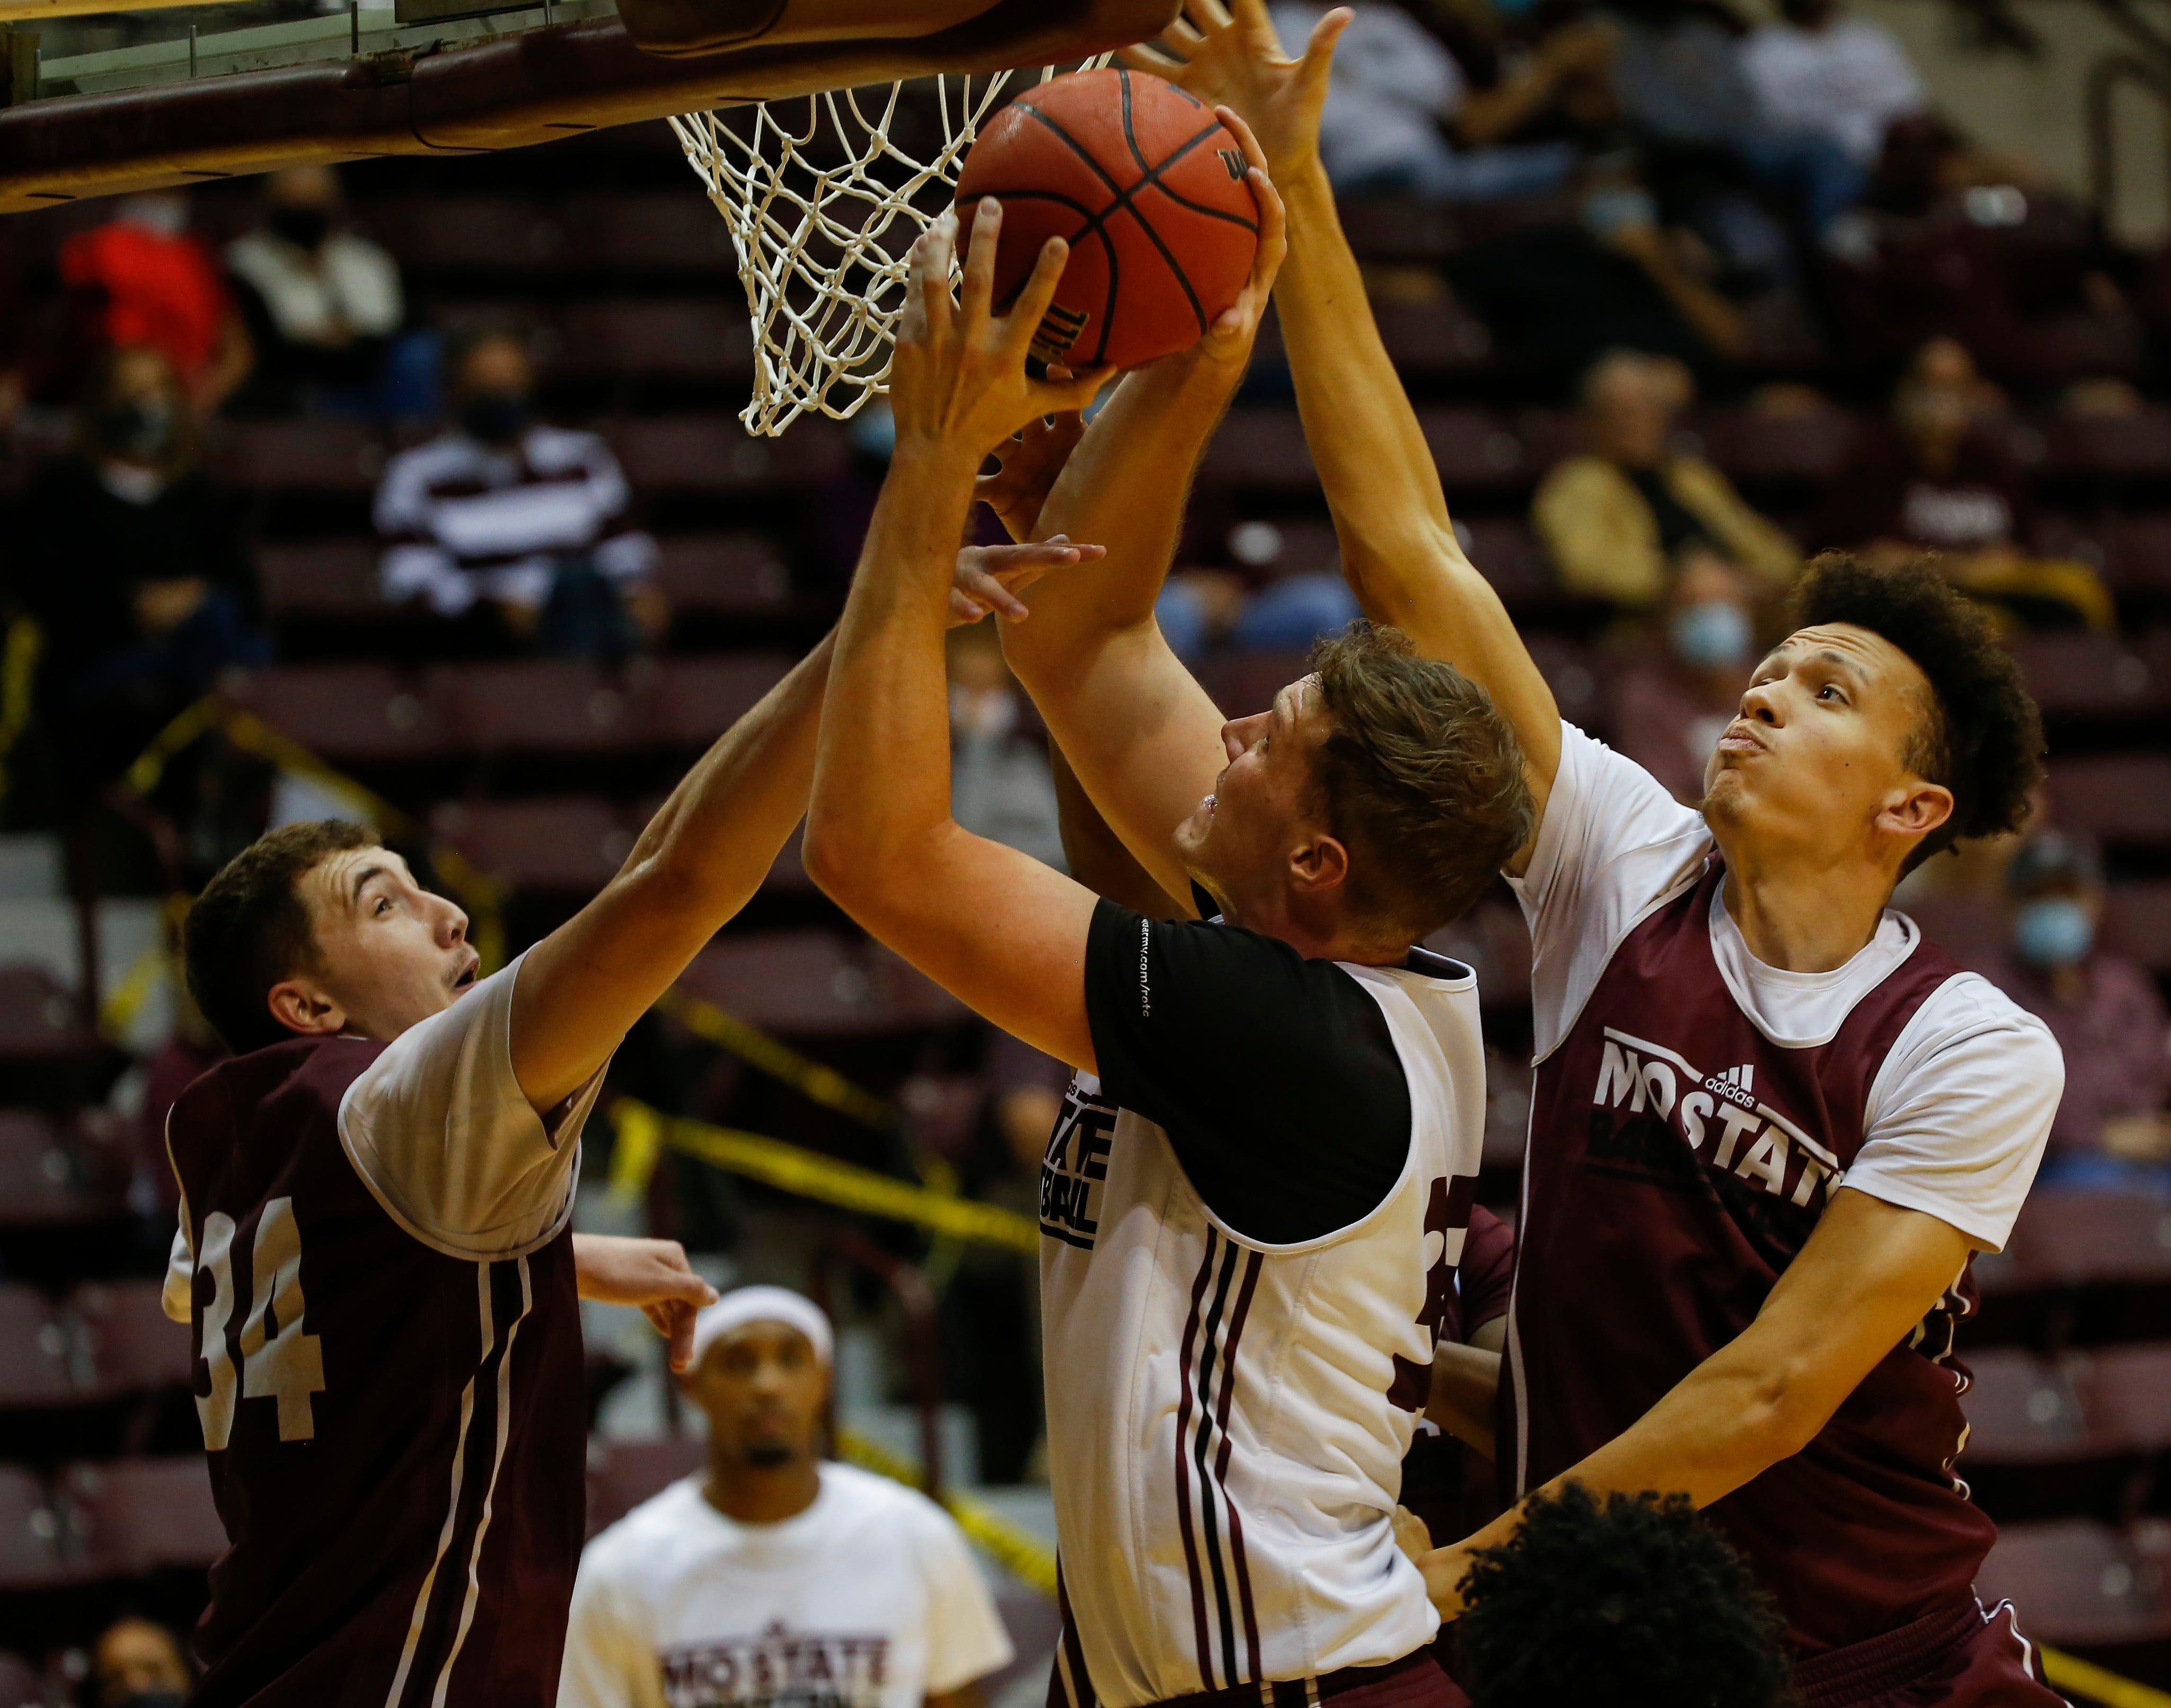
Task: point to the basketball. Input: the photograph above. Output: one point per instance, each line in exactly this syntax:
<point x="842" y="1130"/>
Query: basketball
<point x="1149" y="188"/>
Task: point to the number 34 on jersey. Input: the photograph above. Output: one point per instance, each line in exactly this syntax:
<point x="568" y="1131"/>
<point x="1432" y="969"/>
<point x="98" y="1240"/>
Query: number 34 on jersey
<point x="279" y="1361"/>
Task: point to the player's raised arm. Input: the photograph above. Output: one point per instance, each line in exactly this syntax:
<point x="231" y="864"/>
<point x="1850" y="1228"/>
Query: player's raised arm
<point x="1398" y="545"/>
<point x="995" y="927"/>
<point x="1143" y="738"/>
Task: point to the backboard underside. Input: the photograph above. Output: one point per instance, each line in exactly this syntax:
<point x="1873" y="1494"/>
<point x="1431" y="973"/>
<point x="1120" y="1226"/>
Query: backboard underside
<point x="363" y="82"/>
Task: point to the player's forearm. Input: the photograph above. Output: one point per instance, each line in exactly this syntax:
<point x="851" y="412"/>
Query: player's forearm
<point x="1465" y="1382"/>
<point x="881" y="780"/>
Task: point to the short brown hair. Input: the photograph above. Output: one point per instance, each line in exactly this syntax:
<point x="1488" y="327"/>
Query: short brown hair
<point x="1421" y="778"/>
<point x="250" y="927"/>
<point x="1980" y="735"/>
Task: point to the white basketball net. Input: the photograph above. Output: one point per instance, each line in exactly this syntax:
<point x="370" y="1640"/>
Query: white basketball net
<point x="823" y="214"/>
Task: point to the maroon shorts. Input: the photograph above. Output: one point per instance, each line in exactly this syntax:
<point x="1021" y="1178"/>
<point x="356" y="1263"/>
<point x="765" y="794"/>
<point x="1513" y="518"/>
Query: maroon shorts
<point x="1965" y="1656"/>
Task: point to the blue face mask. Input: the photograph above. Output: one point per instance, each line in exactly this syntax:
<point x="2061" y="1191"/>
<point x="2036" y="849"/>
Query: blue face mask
<point x="2053" y="931"/>
<point x="1712" y="635"/>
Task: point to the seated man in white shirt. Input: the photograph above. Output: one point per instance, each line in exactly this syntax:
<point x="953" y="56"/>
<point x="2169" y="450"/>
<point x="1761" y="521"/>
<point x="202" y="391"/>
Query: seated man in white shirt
<point x="775" y="1575"/>
<point x="1845" y="77"/>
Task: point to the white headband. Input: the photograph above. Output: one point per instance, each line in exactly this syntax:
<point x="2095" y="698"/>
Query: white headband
<point x="761" y="1304"/>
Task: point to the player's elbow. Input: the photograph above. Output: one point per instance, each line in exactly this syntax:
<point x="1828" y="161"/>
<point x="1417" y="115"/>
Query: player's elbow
<point x="1781" y="1409"/>
<point x="848" y="865"/>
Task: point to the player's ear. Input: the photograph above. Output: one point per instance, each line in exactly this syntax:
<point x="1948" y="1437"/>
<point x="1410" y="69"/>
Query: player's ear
<point x="1915" y="808"/>
<point x="1319" y="864"/>
<point x="300" y="1005"/>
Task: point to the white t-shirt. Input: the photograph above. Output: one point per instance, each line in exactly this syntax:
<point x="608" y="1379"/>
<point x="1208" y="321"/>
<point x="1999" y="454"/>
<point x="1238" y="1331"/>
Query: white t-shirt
<point x="870" y="1598"/>
<point x="1847" y="81"/>
<point x="1958" y="1114"/>
<point x="1392" y="86"/>
<point x="441" y="1134"/>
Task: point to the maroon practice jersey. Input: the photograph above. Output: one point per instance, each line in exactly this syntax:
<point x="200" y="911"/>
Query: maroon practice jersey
<point x="1678" y="1161"/>
<point x="396" y="1436"/>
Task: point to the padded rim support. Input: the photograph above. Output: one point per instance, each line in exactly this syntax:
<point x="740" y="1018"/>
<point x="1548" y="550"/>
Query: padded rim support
<point x="536" y="86"/>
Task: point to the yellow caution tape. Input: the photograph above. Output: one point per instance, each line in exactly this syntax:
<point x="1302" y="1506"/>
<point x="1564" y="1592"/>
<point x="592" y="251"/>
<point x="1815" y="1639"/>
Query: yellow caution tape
<point x="818" y="1084"/>
<point x="1020" y="1550"/>
<point x="808" y="1174"/>
<point x="2084" y="1677"/>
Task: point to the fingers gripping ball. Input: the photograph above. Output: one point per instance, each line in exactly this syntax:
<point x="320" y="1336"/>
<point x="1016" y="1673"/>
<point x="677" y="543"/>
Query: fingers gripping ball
<point x="1149" y="190"/>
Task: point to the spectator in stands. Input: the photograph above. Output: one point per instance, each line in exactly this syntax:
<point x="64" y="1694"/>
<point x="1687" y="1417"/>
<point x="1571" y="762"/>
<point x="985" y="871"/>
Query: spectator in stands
<point x="1620" y="519"/>
<point x="1939" y="480"/>
<point x="134" y="565"/>
<point x="775" y="1563"/>
<point x="520" y="533"/>
<point x="137" y="1663"/>
<point x="324" y="309"/>
<point x="1670" y="711"/>
<point x="1396" y="93"/>
<point x="1819" y="68"/>
<point x="143" y="278"/>
<point x="2105" y="1010"/>
<point x="1000" y="783"/>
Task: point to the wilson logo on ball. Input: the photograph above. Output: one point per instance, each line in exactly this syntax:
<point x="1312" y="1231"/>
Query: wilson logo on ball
<point x="1060" y="328"/>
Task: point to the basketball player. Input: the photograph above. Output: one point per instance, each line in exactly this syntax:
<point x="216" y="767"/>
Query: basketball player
<point x="374" y="1252"/>
<point x="1771" y="1124"/>
<point x="775" y="1576"/>
<point x="1253" y="1206"/>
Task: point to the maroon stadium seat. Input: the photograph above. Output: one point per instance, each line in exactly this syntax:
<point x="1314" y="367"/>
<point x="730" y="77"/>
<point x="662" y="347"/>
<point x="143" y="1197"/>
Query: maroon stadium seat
<point x="2120" y="797"/>
<point x="1969" y="929"/>
<point x="689" y="702"/>
<point x="816" y="984"/>
<point x="714" y="453"/>
<point x="324" y="578"/>
<point x="1492" y="938"/>
<point x="29" y="1534"/>
<point x="345" y="711"/>
<point x="1286" y="546"/>
<point x="21" y="1686"/>
<point x="38" y="1185"/>
<point x="1548" y="437"/>
<point x="1432" y="339"/>
<point x="1244" y="683"/>
<point x="2022" y="1410"/>
<point x="2090" y="675"/>
<point x="471" y="233"/>
<point x="297" y="456"/>
<point x="40" y="1020"/>
<point x="574" y="845"/>
<point x="2128" y="1391"/>
<point x="36" y="1366"/>
<point x="1750" y="445"/>
<point x="2074" y="1238"/>
<point x="2075" y="1581"/>
<point x="2137" y="922"/>
<point x="533" y="705"/>
<point x="132" y="1344"/>
<point x="2136" y="552"/>
<point x="697" y="338"/>
<point x="1260" y="449"/>
<point x="1507" y="555"/>
<point x="2114" y="445"/>
<point x="138" y="1515"/>
<point x="623" y="1474"/>
<point x="730" y="574"/>
<point x="1577" y="675"/>
<point x="650" y="232"/>
<point x="1473" y="450"/>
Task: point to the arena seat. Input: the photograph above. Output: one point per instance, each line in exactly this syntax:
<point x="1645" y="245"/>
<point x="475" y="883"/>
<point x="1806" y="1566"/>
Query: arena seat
<point x="573" y="846"/>
<point x="650" y="232"/>
<point x="1288" y="545"/>
<point x="471" y="233"/>
<point x="1548" y="437"/>
<point x="21" y="1685"/>
<point x="2081" y="675"/>
<point x="132" y="1344"/>
<point x="40" y="1019"/>
<point x="2022" y="1408"/>
<point x="1968" y="927"/>
<point x="1398" y="228"/>
<point x="714" y="453"/>
<point x="1473" y="450"/>
<point x="689" y="702"/>
<point x="2130" y="1395"/>
<point x="728" y="575"/>
<point x="1507" y="555"/>
<point x="533" y="705"/>
<point x="38" y="1183"/>
<point x="1243" y="683"/>
<point x="2071" y="1239"/>
<point x="1492" y="939"/>
<point x="35" y="1367"/>
<point x="29" y="1534"/>
<point x="1578" y="676"/>
<point x="816" y="984"/>
<point x="623" y="1474"/>
<point x="139" y="1515"/>
<point x="2137" y="922"/>
<point x="698" y="338"/>
<point x="2119" y="797"/>
<point x="2108" y="447"/>
<point x="1258" y="448"/>
<point x="307" y="455"/>
<point x="347" y="711"/>
<point x="2076" y="1581"/>
<point x="2136" y="553"/>
<point x="1751" y="446"/>
<point x="1432" y="340"/>
<point x="324" y="578"/>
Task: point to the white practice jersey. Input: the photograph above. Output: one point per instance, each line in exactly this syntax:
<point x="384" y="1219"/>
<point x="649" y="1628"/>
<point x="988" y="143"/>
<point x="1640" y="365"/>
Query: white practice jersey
<point x="1227" y="1418"/>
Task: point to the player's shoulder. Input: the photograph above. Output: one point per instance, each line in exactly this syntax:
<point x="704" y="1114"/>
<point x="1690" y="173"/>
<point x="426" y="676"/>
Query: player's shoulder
<point x="1968" y="1016"/>
<point x="875" y="1501"/>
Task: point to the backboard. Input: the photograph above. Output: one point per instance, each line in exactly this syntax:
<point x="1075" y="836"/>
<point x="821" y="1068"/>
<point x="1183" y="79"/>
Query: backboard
<point x="103" y="98"/>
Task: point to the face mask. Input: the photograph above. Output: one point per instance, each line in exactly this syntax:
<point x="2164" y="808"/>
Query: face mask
<point x="2054" y="931"/>
<point x="495" y="418"/>
<point x="135" y="428"/>
<point x="305" y="227"/>
<point x="1712" y="635"/>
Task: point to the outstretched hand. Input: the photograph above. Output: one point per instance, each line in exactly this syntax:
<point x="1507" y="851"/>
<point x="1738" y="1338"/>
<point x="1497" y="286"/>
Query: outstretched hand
<point x="990" y="578"/>
<point x="957" y="376"/>
<point x="1229" y="55"/>
<point x="651" y="1273"/>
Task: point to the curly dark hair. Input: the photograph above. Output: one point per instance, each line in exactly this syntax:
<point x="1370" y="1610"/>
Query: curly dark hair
<point x="1635" y="1604"/>
<point x="1982" y="737"/>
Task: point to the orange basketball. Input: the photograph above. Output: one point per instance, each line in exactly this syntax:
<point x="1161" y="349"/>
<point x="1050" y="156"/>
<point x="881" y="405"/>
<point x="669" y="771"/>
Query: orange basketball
<point x="1147" y="186"/>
